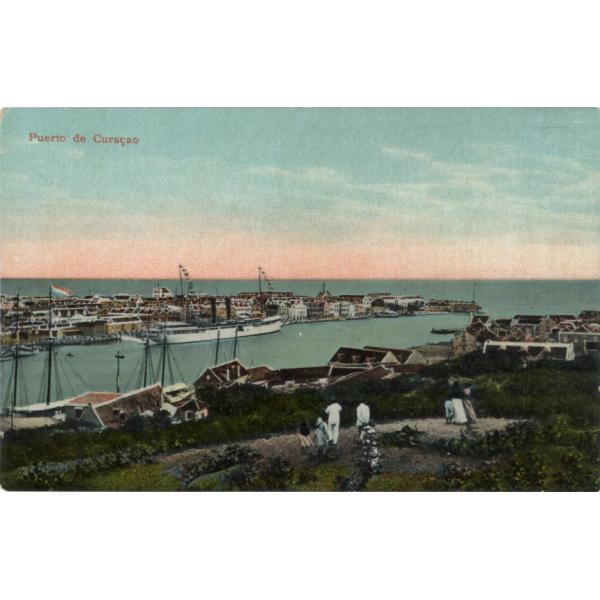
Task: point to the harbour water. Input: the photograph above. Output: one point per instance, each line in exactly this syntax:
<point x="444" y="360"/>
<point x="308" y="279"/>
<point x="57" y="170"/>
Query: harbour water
<point x="308" y="344"/>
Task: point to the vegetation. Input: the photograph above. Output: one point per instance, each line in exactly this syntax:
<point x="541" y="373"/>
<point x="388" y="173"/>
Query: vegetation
<point x="555" y="446"/>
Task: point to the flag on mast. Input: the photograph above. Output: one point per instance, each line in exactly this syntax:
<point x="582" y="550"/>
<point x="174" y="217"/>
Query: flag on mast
<point x="60" y="291"/>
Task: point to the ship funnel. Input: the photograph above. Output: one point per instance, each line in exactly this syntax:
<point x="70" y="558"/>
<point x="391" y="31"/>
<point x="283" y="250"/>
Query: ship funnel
<point x="228" y="307"/>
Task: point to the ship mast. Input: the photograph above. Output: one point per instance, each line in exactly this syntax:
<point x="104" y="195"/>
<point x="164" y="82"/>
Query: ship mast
<point x="217" y="350"/>
<point x="118" y="356"/>
<point x="235" y="339"/>
<point x="146" y="356"/>
<point x="164" y="350"/>
<point x="14" y="403"/>
<point x="49" y="385"/>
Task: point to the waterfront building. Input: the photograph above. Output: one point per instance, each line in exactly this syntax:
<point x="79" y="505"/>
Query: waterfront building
<point x="220" y="375"/>
<point x="340" y="309"/>
<point x="404" y="357"/>
<point x="162" y="293"/>
<point x="585" y="338"/>
<point x="531" y="350"/>
<point x="362" y="358"/>
<point x="297" y="310"/>
<point x="122" y="324"/>
<point x="405" y="302"/>
<point x="538" y="325"/>
<point x="315" y="309"/>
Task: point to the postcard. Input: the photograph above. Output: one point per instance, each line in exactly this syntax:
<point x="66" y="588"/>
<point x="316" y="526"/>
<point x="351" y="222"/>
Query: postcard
<point x="300" y="299"/>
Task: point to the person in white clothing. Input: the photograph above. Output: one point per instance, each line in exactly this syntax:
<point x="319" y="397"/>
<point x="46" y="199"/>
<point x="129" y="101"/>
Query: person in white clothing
<point x="321" y="437"/>
<point x="333" y="421"/>
<point x="363" y="416"/>
<point x="459" y="416"/>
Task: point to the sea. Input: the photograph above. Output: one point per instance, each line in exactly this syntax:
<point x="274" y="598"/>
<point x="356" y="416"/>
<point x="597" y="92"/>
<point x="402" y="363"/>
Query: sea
<point x="84" y="368"/>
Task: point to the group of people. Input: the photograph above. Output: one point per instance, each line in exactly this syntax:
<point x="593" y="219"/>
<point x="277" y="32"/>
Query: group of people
<point x="459" y="406"/>
<point x="326" y="433"/>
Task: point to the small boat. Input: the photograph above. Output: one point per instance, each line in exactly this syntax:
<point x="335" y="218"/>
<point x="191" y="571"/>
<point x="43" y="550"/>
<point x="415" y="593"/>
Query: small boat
<point x="24" y="351"/>
<point x="386" y="314"/>
<point x="444" y="331"/>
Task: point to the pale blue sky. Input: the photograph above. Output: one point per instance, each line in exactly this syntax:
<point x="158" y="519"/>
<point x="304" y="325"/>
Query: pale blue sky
<point x="321" y="176"/>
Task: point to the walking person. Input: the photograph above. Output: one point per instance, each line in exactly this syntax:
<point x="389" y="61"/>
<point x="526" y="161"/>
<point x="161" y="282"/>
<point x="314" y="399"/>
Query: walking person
<point x="471" y="403"/>
<point x="459" y="416"/>
<point x="321" y="437"/>
<point x="333" y="421"/>
<point x="363" y="416"/>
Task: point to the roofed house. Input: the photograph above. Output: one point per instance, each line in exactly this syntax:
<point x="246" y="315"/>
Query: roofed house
<point x="560" y="318"/>
<point x="405" y="357"/>
<point x="295" y="378"/>
<point x="362" y="358"/>
<point x="482" y="319"/>
<point x="584" y="338"/>
<point x="107" y="410"/>
<point x="80" y="408"/>
<point x="221" y="375"/>
<point x="182" y="405"/>
<point x="471" y="338"/>
<point x="256" y="374"/>
<point x="590" y="315"/>
<point x="531" y="350"/>
<point x="538" y="325"/>
<point x="502" y="323"/>
<point x="375" y="374"/>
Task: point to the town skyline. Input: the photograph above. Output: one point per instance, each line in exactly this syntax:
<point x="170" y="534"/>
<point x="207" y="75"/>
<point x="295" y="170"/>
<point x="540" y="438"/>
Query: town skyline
<point x="362" y="194"/>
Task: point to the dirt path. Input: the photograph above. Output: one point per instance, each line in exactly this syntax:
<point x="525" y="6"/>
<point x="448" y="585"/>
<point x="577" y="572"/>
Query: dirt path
<point x="287" y="446"/>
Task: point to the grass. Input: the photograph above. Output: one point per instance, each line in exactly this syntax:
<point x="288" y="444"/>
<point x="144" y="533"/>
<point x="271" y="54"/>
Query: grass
<point x="134" y="478"/>
<point x="565" y="457"/>
<point x="403" y="482"/>
<point x="322" y="478"/>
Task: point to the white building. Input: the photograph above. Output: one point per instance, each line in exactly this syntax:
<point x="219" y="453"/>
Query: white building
<point x="532" y="350"/>
<point x="405" y="301"/>
<point x="341" y="309"/>
<point x="161" y="293"/>
<point x="297" y="310"/>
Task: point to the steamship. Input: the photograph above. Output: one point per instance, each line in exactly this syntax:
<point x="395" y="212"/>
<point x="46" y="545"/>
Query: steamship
<point x="184" y="333"/>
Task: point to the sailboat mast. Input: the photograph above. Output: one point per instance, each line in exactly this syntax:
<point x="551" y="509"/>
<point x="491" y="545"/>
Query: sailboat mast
<point x="217" y="350"/>
<point x="49" y="386"/>
<point x="146" y="353"/>
<point x="164" y="350"/>
<point x="118" y="356"/>
<point x="15" y="383"/>
<point x="235" y="340"/>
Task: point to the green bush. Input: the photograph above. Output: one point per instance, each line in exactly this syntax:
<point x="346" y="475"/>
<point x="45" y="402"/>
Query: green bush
<point x="563" y="397"/>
